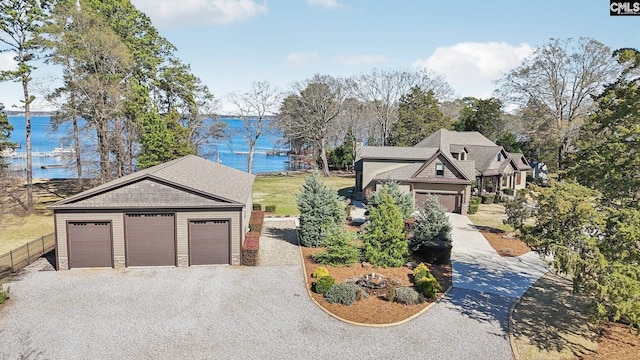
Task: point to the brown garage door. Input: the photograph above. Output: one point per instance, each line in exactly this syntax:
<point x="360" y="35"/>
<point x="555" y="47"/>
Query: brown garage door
<point x="150" y="239"/>
<point x="450" y="201"/>
<point x="208" y="242"/>
<point x="89" y="244"/>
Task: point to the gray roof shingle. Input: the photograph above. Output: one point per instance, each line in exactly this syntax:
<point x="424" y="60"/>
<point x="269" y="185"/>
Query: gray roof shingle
<point x="396" y="153"/>
<point x="193" y="174"/>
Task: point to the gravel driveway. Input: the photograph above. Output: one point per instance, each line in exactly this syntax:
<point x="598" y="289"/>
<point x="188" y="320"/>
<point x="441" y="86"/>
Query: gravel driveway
<point x="226" y="312"/>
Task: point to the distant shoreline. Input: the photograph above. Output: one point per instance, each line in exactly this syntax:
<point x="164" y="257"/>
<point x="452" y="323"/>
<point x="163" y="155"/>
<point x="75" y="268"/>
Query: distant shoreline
<point x="52" y="113"/>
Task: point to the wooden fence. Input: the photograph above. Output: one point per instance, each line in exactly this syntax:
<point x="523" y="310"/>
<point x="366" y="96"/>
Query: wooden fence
<point x="20" y="257"/>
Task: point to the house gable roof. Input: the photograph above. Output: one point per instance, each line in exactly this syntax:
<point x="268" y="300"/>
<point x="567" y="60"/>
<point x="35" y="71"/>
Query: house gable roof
<point x="396" y="153"/>
<point x="415" y="172"/>
<point x="215" y="184"/>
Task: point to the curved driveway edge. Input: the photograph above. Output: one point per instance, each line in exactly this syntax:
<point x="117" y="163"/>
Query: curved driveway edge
<point x="226" y="312"/>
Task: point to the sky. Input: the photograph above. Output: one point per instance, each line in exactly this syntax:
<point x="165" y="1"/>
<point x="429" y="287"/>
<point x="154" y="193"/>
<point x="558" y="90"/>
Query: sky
<point x="232" y="43"/>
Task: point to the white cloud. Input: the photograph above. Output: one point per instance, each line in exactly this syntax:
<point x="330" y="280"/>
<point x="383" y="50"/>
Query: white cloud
<point x="200" y="12"/>
<point x="366" y="59"/>
<point x="472" y="67"/>
<point x="330" y="4"/>
<point x="302" y="58"/>
<point x="6" y="61"/>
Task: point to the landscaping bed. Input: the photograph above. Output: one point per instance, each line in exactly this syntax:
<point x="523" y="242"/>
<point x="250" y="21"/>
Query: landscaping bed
<point x="506" y="244"/>
<point x="374" y="309"/>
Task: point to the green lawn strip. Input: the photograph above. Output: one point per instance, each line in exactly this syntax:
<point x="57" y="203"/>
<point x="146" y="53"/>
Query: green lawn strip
<point x="16" y="231"/>
<point x="490" y="215"/>
<point x="281" y="191"/>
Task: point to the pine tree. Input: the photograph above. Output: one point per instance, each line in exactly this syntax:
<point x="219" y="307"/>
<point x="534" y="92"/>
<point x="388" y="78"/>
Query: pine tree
<point x="418" y="117"/>
<point x="385" y="243"/>
<point x="340" y="249"/>
<point x="162" y="139"/>
<point x="403" y="200"/>
<point x="432" y="226"/>
<point x="5" y="133"/>
<point x="320" y="208"/>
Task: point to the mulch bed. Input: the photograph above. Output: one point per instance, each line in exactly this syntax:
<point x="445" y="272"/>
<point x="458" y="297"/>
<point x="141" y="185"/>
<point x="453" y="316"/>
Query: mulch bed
<point x="506" y="244"/>
<point x="374" y="309"/>
<point x="617" y="342"/>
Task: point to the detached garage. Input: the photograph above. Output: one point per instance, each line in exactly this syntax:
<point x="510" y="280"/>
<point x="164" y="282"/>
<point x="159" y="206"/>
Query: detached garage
<point x="189" y="211"/>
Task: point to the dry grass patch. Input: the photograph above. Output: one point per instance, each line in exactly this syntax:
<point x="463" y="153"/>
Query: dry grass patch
<point x="491" y="215"/>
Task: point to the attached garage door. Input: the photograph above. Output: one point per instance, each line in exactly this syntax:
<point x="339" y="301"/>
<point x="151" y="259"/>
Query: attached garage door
<point x="89" y="244"/>
<point x="450" y="201"/>
<point x="150" y="239"/>
<point x="208" y="242"/>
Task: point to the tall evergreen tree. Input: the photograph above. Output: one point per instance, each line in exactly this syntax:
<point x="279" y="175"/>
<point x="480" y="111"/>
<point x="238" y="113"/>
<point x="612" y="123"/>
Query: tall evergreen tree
<point x="162" y="139"/>
<point x="21" y="21"/>
<point x="5" y="133"/>
<point x="403" y="200"/>
<point x="419" y="116"/>
<point x="320" y="209"/>
<point x="385" y="242"/>
<point x="608" y="159"/>
<point x="432" y="226"/>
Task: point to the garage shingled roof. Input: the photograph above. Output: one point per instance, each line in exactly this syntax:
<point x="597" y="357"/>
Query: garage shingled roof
<point x="190" y="173"/>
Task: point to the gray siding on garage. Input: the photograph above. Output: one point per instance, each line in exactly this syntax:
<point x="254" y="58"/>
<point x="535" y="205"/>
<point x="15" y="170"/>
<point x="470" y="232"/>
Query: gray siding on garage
<point x="150" y="239"/>
<point x="90" y="244"/>
<point x="209" y="242"/>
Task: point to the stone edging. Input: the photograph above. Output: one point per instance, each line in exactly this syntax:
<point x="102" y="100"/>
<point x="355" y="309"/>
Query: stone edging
<point x="306" y="276"/>
<point x="514" y="352"/>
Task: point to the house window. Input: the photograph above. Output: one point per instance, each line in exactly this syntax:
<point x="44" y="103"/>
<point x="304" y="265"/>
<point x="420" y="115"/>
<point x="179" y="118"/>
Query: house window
<point x="439" y="169"/>
<point x="518" y="178"/>
<point x="499" y="156"/>
<point x="462" y="157"/>
<point x="504" y="181"/>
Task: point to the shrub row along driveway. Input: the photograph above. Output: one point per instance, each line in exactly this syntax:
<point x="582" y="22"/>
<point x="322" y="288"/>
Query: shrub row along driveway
<point x="232" y="312"/>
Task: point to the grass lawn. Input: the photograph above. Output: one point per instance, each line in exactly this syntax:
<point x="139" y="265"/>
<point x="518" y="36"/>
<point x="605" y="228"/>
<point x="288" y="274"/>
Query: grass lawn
<point x="16" y="231"/>
<point x="490" y="215"/>
<point x="281" y="190"/>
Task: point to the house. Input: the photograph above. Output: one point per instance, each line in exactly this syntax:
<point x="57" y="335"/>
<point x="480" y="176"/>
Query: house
<point x="448" y="164"/>
<point x="188" y="211"/>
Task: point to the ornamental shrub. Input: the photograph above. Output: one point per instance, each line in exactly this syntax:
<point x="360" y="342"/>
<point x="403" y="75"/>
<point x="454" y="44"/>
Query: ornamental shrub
<point x="408" y="296"/>
<point x="320" y="272"/>
<point x="4" y="294"/>
<point x="390" y="294"/>
<point x="320" y="207"/>
<point x="323" y="283"/>
<point x="257" y="206"/>
<point x="473" y="208"/>
<point x="385" y="241"/>
<point x="488" y="198"/>
<point x="345" y="293"/>
<point x="507" y="191"/>
<point x="270" y="208"/>
<point x="403" y="200"/>
<point x="476" y="200"/>
<point x="428" y="286"/>
<point x="420" y="272"/>
<point x="340" y="250"/>
<point x="432" y="226"/>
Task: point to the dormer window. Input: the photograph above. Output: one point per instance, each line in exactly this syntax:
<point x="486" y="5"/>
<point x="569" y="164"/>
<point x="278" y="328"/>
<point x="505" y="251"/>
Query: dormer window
<point x="439" y="169"/>
<point x="499" y="156"/>
<point x="462" y="156"/>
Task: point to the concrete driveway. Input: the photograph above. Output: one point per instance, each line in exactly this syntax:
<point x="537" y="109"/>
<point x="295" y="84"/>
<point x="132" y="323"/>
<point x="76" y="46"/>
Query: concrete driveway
<point x="239" y="312"/>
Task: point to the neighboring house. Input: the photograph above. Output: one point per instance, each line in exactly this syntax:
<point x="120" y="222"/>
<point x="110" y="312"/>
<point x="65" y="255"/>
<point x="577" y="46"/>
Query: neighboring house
<point x="188" y="211"/>
<point x="449" y="164"/>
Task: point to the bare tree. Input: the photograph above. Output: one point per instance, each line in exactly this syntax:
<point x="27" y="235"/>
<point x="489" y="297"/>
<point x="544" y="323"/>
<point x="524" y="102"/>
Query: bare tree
<point x="310" y="112"/>
<point x="561" y="78"/>
<point x="382" y="89"/>
<point x="256" y="108"/>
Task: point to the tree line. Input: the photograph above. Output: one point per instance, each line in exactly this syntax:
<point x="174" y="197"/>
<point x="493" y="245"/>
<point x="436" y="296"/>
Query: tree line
<point x="124" y="88"/>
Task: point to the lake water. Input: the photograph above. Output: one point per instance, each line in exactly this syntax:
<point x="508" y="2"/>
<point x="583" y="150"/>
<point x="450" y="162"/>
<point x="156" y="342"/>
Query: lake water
<point x="228" y="152"/>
